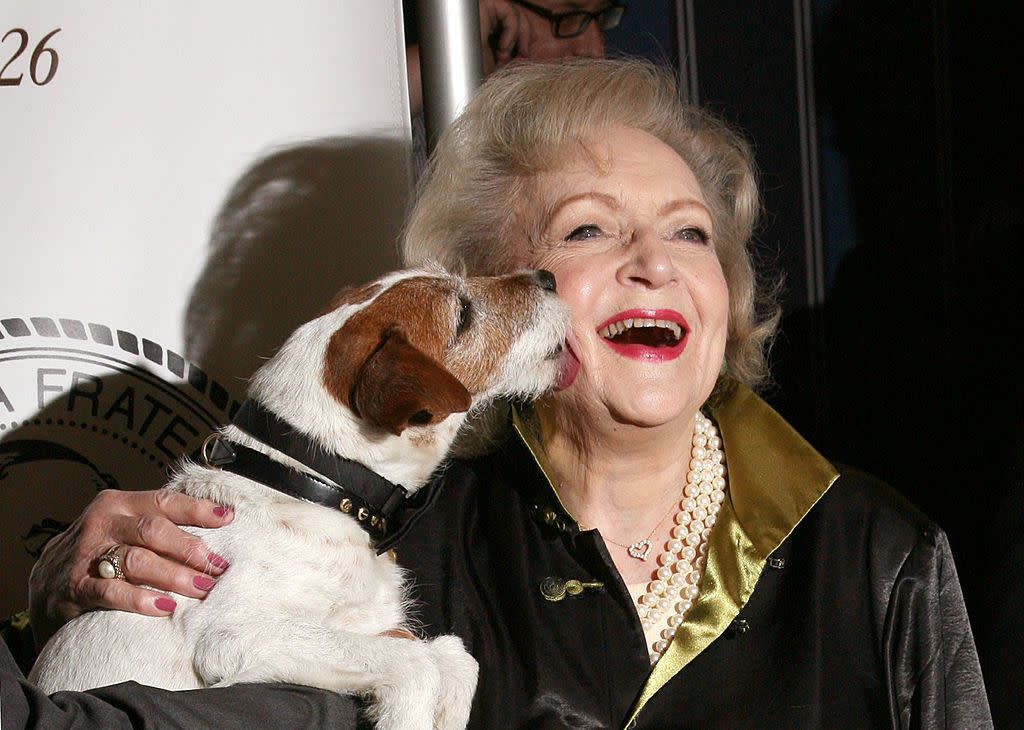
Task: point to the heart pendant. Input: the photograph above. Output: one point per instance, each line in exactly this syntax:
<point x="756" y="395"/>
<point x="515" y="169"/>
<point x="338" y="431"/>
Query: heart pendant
<point x="639" y="549"/>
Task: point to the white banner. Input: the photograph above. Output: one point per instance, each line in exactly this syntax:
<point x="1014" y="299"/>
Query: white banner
<point x="182" y="183"/>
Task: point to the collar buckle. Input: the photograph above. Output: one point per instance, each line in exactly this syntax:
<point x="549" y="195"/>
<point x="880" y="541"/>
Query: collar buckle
<point x="216" y="452"/>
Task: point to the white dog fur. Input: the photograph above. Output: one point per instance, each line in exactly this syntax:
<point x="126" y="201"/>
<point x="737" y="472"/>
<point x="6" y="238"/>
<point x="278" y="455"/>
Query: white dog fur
<point x="306" y="599"/>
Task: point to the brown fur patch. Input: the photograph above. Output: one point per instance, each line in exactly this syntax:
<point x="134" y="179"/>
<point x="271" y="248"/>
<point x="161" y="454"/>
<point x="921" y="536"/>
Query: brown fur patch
<point x="384" y="361"/>
<point x="503" y="305"/>
<point x="352" y="295"/>
<point x="400" y="386"/>
<point x="424" y="311"/>
<point x="399" y="634"/>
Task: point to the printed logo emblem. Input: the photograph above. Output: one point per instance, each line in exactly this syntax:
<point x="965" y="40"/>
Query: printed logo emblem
<point x="85" y="407"/>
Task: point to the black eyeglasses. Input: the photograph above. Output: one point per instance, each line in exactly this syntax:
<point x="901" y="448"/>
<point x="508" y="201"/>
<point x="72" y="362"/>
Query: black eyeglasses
<point x="572" y="24"/>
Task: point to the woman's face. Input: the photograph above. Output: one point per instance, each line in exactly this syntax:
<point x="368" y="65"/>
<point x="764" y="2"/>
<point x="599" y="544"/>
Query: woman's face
<point x="628" y="235"/>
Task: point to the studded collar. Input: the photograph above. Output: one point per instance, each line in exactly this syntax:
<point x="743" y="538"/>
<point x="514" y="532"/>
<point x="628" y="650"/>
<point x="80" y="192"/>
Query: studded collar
<point x="337" y="483"/>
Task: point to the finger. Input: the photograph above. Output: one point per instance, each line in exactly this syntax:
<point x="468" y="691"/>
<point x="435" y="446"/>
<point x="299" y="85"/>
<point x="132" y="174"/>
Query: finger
<point x="142" y="566"/>
<point x="182" y="509"/>
<point x="507" y="39"/>
<point x="524" y="39"/>
<point x="123" y="596"/>
<point x="161" y="536"/>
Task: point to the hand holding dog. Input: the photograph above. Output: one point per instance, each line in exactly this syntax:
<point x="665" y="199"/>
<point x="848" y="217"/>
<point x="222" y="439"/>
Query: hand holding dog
<point x="155" y="552"/>
<point x="354" y="412"/>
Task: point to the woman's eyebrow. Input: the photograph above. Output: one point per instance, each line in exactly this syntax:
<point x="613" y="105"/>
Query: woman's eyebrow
<point x="683" y="204"/>
<point x="602" y="198"/>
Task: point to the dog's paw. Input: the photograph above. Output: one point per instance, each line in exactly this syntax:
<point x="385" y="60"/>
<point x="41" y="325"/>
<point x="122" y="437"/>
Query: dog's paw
<point x="407" y="692"/>
<point x="458" y="670"/>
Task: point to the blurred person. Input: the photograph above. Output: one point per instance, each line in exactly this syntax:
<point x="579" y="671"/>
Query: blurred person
<point x="542" y="30"/>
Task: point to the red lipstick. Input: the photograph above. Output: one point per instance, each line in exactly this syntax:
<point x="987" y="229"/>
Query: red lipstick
<point x="648" y="353"/>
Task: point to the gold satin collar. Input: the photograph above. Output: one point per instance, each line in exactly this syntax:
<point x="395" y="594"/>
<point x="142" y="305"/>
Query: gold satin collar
<point x="775" y="477"/>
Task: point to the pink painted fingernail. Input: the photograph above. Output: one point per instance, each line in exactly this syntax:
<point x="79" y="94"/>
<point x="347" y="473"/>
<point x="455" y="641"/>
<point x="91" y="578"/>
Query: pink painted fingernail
<point x="221" y="511"/>
<point x="165" y="604"/>
<point x="203" y="583"/>
<point x="217" y="561"/>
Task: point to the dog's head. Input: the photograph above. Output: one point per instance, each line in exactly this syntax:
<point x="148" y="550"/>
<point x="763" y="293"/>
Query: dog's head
<point x="408" y="355"/>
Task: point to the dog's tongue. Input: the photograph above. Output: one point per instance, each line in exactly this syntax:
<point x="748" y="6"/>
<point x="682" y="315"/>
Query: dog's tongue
<point x="569" y="367"/>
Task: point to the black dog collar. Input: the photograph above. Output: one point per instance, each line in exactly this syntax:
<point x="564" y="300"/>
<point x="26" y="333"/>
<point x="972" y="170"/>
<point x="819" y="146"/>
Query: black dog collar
<point x="368" y="497"/>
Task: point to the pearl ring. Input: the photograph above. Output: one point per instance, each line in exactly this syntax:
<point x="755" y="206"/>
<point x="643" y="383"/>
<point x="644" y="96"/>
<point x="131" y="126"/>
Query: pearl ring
<point x="109" y="565"/>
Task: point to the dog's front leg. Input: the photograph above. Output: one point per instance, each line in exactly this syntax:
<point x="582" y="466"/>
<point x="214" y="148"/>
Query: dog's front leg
<point x="458" y="680"/>
<point x="410" y="681"/>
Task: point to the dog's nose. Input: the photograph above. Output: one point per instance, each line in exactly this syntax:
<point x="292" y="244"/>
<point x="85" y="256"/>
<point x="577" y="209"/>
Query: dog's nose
<point x="545" y="278"/>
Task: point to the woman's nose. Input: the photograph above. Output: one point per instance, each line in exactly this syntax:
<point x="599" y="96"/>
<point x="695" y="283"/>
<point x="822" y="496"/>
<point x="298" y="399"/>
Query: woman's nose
<point x="649" y="263"/>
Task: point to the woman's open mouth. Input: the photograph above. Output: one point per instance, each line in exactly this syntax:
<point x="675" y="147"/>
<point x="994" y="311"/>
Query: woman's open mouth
<point x="653" y="335"/>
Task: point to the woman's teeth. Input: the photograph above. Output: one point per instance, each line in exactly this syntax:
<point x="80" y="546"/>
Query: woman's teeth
<point x="617" y="328"/>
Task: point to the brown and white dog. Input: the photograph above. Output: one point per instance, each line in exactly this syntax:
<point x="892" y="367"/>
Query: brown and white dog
<point x="386" y="378"/>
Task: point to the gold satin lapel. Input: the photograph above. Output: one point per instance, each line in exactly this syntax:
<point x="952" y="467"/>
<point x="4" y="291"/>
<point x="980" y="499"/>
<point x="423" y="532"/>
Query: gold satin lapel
<point x="537" y="451"/>
<point x="775" y="477"/>
<point x="729" y="578"/>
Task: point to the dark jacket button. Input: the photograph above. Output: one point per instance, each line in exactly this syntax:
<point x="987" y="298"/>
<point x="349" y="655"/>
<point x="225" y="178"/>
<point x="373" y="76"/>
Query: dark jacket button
<point x="740" y="626"/>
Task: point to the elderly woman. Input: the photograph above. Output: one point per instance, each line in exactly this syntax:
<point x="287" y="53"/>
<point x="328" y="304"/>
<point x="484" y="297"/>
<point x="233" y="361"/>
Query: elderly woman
<point x="650" y="545"/>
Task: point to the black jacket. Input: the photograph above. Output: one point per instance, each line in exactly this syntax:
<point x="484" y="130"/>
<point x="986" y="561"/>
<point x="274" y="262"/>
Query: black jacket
<point x="827" y="601"/>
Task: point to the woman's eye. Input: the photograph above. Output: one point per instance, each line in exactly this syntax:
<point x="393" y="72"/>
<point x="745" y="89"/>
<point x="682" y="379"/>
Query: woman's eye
<point x="692" y="233"/>
<point x="582" y="233"/>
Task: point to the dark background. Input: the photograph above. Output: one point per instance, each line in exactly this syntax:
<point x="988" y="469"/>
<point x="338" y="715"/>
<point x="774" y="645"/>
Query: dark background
<point x="888" y="137"/>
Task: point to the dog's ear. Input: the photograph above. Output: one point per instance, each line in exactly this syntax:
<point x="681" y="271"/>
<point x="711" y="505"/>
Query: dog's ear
<point x="400" y="386"/>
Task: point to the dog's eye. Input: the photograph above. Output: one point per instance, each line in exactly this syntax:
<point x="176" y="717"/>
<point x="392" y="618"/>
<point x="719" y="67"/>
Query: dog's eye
<point x="465" y="315"/>
<point x="420" y="418"/>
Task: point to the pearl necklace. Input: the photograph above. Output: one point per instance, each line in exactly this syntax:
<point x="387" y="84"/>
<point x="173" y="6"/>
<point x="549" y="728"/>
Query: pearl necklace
<point x="676" y="584"/>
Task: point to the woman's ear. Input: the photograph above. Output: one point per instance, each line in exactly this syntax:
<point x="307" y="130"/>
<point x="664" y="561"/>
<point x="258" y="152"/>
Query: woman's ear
<point x="400" y="386"/>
